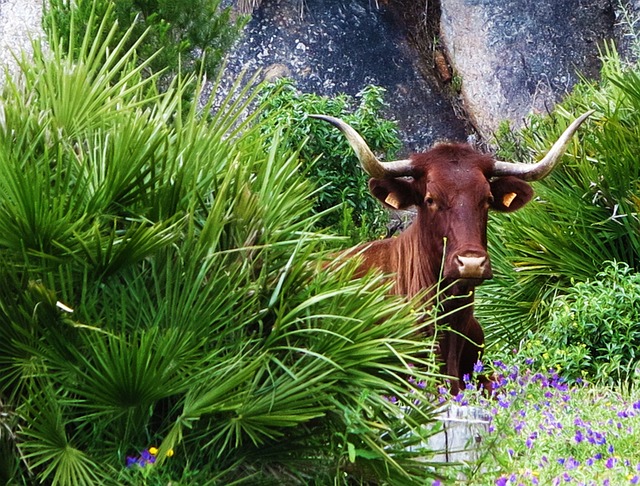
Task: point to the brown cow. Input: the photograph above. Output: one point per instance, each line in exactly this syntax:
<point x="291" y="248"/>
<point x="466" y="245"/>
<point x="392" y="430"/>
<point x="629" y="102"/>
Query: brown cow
<point x="453" y="187"/>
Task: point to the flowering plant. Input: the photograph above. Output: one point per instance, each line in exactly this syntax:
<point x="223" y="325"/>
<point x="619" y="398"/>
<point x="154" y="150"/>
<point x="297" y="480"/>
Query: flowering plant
<point x="545" y="431"/>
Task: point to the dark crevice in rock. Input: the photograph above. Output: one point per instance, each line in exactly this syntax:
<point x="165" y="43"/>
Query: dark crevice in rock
<point x="422" y="23"/>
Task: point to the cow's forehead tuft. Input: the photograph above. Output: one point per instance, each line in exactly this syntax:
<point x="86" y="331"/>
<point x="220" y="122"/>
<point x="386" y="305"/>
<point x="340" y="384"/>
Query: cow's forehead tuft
<point x="452" y="157"/>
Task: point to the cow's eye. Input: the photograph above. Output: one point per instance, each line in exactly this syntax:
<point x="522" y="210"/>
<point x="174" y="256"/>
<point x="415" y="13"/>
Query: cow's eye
<point x="429" y="201"/>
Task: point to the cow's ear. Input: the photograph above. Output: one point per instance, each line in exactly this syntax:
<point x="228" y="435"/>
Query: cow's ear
<point x="510" y="193"/>
<point x="394" y="193"/>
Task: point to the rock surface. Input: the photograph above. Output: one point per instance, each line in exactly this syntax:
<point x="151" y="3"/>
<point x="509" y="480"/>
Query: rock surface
<point x="20" y="21"/>
<point x="510" y="56"/>
<point x="340" y="46"/>
<point x="518" y="56"/>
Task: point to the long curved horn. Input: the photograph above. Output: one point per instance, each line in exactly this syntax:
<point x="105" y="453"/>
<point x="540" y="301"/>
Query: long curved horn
<point x="539" y="170"/>
<point x="369" y="162"/>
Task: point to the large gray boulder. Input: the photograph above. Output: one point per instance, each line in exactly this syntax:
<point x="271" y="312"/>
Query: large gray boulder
<point x="509" y="58"/>
<point x="340" y="46"/>
<point x="515" y="57"/>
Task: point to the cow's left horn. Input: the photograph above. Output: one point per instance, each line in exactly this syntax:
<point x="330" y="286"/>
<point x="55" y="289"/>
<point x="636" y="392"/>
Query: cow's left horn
<point x="369" y="162"/>
<point x="539" y="170"/>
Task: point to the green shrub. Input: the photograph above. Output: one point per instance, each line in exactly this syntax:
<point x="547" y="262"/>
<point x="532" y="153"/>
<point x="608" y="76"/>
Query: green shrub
<point x="327" y="159"/>
<point x="594" y="330"/>
<point x="188" y="36"/>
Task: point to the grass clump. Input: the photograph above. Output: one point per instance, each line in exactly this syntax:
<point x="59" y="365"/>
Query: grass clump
<point x="584" y="213"/>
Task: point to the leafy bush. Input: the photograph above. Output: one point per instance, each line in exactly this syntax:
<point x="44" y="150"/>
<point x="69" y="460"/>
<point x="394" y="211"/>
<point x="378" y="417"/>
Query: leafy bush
<point x="162" y="318"/>
<point x="327" y="159"/>
<point x="594" y="331"/>
<point x="584" y="214"/>
<point x="180" y="37"/>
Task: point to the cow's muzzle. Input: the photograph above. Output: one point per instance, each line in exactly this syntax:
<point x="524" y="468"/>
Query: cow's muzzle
<point x="473" y="267"/>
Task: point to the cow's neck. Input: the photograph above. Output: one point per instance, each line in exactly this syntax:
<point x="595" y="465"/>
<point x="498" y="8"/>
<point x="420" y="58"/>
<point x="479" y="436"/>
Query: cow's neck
<point x="418" y="259"/>
<point x="415" y="270"/>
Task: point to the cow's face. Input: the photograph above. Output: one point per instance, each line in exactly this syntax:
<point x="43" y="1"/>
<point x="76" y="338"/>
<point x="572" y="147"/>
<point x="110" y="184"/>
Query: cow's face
<point x="453" y="187"/>
<point x="453" y="195"/>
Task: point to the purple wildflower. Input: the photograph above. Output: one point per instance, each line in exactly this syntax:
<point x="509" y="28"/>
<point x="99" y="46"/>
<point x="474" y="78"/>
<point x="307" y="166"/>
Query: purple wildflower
<point x="145" y="458"/>
<point x="503" y="402"/>
<point x="571" y="463"/>
<point x="596" y="438"/>
<point x="461" y="399"/>
<point x="391" y="399"/>
<point x="502" y="366"/>
<point x="478" y="367"/>
<point x="610" y="462"/>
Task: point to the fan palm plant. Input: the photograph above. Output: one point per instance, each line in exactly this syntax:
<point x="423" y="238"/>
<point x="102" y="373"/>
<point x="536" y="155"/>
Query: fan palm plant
<point x="160" y="285"/>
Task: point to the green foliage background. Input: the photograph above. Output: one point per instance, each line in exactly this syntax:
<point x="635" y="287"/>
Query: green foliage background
<point x="594" y="330"/>
<point x="583" y="215"/>
<point x="343" y="199"/>
<point x="189" y="36"/>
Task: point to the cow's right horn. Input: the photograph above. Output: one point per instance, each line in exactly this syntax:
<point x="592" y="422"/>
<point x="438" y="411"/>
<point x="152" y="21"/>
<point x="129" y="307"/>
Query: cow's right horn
<point x="369" y="162"/>
<point x="539" y="170"/>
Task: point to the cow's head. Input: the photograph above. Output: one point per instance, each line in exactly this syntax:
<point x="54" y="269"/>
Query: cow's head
<point x="453" y="187"/>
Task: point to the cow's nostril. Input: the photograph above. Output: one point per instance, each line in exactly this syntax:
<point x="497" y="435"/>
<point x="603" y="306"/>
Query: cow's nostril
<point x="471" y="267"/>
